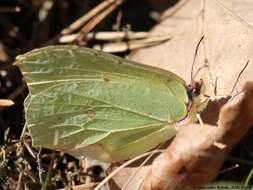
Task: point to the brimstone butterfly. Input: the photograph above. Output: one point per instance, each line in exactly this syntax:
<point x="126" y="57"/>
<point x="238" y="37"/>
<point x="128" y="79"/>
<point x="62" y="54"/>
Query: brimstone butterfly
<point x="89" y="103"/>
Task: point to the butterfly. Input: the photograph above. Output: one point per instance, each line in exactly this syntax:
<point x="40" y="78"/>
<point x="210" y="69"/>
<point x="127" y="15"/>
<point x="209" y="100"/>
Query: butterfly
<point x="89" y="103"/>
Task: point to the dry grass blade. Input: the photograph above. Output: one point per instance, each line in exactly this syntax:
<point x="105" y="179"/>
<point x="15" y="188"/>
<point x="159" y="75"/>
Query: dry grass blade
<point x="6" y="103"/>
<point x="125" y="165"/>
<point x="86" y="186"/>
<point x="131" y="45"/>
<point x="106" y="36"/>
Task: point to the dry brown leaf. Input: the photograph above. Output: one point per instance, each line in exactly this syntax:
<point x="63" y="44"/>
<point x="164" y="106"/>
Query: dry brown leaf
<point x="228" y="44"/>
<point x="196" y="154"/>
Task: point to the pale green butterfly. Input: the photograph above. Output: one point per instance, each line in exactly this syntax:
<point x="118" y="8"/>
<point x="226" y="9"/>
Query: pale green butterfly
<point x="89" y="103"/>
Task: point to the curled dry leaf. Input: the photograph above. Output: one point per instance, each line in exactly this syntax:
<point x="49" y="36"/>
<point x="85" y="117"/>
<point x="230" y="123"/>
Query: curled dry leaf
<point x="196" y="154"/>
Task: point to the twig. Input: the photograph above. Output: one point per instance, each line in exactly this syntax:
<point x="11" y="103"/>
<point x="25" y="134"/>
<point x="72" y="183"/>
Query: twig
<point x="23" y="132"/>
<point x="90" y="16"/>
<point x="6" y="103"/>
<point x="97" y="19"/>
<point x="106" y="36"/>
<point x="85" y="18"/>
<point x="39" y="166"/>
<point x="29" y="150"/>
<point x="230" y="168"/>
<point x="13" y="96"/>
<point x="15" y="9"/>
<point x="134" y="44"/>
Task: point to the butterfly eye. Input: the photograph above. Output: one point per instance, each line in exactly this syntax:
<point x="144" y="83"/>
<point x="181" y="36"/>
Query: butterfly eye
<point x="194" y="89"/>
<point x="190" y="91"/>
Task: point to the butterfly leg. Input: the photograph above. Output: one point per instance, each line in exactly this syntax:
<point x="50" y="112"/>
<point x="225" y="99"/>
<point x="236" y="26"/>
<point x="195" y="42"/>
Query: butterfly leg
<point x="199" y="119"/>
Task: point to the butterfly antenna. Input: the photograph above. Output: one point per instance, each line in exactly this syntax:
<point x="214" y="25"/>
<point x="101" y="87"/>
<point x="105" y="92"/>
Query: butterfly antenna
<point x="198" y="70"/>
<point x="195" y="55"/>
<point x="238" y="77"/>
<point x="235" y="83"/>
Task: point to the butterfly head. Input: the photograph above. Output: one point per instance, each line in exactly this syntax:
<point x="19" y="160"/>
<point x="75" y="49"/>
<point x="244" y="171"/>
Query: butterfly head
<point x="194" y="89"/>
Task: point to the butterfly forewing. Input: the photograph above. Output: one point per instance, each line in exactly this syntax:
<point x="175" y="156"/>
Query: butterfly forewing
<point x="86" y="102"/>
